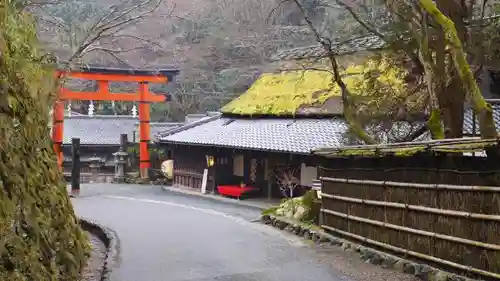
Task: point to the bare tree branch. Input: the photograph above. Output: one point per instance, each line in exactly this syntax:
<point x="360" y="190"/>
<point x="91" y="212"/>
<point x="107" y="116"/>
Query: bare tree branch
<point x="117" y="22"/>
<point x="105" y="31"/>
<point x="287" y="179"/>
<point x="326" y="43"/>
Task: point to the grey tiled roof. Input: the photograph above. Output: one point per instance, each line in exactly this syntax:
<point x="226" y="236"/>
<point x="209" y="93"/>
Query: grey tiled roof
<point x="358" y="44"/>
<point x="281" y="135"/>
<point x="188" y="125"/>
<point x="106" y="129"/>
<point x="469" y="119"/>
<point x="157" y="128"/>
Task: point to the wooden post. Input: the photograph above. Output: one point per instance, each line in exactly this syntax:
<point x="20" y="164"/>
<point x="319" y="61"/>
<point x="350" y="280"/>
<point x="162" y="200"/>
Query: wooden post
<point x="216" y="169"/>
<point x="260" y="174"/>
<point x="144" y="128"/>
<point x="247" y="164"/>
<point x="124" y="142"/>
<point x="269" y="188"/>
<point x="75" y="166"/>
<point x="271" y="179"/>
<point x="57" y="130"/>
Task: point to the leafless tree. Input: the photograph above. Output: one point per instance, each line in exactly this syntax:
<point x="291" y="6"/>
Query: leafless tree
<point x="225" y="48"/>
<point x="442" y="54"/>
<point x="87" y="30"/>
<point x="287" y="179"/>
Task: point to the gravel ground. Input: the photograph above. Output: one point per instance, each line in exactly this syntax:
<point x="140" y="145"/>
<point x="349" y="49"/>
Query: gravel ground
<point x="350" y="265"/>
<point x="93" y="270"/>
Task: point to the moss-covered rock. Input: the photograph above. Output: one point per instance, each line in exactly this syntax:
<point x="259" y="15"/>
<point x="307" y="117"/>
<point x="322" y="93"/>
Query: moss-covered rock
<point x="305" y="208"/>
<point x="40" y="238"/>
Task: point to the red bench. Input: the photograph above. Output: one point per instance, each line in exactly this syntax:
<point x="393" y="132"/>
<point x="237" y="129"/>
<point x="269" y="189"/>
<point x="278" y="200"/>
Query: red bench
<point x="234" y="190"/>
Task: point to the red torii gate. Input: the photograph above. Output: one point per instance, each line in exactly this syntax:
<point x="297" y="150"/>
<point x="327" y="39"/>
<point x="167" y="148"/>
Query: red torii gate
<point x="104" y="76"/>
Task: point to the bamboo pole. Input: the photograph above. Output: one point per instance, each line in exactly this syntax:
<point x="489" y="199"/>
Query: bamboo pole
<point x="415" y="231"/>
<point x="433" y="145"/>
<point x="403" y="144"/>
<point x="412" y="253"/>
<point x="413" y="185"/>
<point x="414" y="208"/>
<point x="430" y="143"/>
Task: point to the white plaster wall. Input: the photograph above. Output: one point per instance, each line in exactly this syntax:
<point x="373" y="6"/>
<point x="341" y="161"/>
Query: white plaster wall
<point x="238" y="165"/>
<point x="308" y="174"/>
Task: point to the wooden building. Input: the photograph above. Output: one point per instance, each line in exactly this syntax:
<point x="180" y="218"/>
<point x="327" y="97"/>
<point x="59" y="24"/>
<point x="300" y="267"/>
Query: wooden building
<point x="260" y="140"/>
<point x="100" y="137"/>
<point x="250" y="151"/>
<point x="264" y="138"/>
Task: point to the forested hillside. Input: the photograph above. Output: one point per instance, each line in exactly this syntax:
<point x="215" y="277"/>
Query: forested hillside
<point x="221" y="46"/>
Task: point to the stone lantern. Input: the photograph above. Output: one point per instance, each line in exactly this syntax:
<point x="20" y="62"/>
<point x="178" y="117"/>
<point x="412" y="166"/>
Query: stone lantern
<point x="121" y="160"/>
<point x="95" y="165"/>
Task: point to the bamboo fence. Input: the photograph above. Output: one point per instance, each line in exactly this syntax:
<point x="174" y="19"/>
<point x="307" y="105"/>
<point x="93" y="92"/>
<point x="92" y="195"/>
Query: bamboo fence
<point x="453" y="226"/>
<point x="470" y="144"/>
<point x="417" y="175"/>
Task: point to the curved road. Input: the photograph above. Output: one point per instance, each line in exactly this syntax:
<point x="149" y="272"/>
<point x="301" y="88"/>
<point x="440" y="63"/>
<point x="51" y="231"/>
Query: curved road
<point x="167" y="236"/>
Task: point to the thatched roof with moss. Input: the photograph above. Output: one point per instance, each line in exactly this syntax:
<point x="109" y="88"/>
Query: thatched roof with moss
<point x="313" y="92"/>
<point x="460" y="145"/>
<point x="289" y="93"/>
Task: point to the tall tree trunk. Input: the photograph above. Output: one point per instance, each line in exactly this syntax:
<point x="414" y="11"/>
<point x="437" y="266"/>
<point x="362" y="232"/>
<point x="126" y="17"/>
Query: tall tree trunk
<point x="348" y="108"/>
<point x="483" y="109"/>
<point x="452" y="96"/>
<point x="434" y="80"/>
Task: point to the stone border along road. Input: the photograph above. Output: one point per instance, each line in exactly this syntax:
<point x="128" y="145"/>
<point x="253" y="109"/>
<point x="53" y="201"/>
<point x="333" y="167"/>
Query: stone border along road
<point x="110" y="240"/>
<point x="422" y="271"/>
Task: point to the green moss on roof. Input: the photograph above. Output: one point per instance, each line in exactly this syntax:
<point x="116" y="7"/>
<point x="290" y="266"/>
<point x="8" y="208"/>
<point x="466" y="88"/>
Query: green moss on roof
<point x="284" y="93"/>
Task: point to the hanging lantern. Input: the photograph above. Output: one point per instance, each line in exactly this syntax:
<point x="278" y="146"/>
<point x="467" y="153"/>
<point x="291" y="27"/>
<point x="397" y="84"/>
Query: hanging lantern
<point x="69" y="108"/>
<point x="210" y="161"/>
<point x="134" y="111"/>
<point x="91" y="108"/>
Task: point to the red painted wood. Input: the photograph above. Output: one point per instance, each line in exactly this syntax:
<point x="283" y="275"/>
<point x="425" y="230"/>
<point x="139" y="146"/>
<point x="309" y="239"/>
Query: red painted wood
<point x="144" y="126"/>
<point x="107" y="96"/>
<point x="113" y="77"/>
<point x="57" y="130"/>
<point x="234" y="190"/>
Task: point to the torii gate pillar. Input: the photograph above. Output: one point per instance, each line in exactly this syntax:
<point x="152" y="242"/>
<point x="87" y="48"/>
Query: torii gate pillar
<point x="104" y="76"/>
<point x="144" y="130"/>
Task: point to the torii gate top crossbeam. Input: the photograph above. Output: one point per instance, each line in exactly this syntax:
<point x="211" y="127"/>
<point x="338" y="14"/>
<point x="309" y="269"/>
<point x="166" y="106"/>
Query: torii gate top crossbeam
<point x="104" y="76"/>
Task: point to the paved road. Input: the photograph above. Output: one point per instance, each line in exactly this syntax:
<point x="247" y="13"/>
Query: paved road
<point x="171" y="237"/>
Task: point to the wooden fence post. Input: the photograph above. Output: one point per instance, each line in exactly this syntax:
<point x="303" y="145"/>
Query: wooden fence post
<point x="75" y="166"/>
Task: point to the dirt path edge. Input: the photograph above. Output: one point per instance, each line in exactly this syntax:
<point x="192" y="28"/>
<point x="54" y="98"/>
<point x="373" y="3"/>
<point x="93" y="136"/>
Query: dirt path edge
<point x="110" y="240"/>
